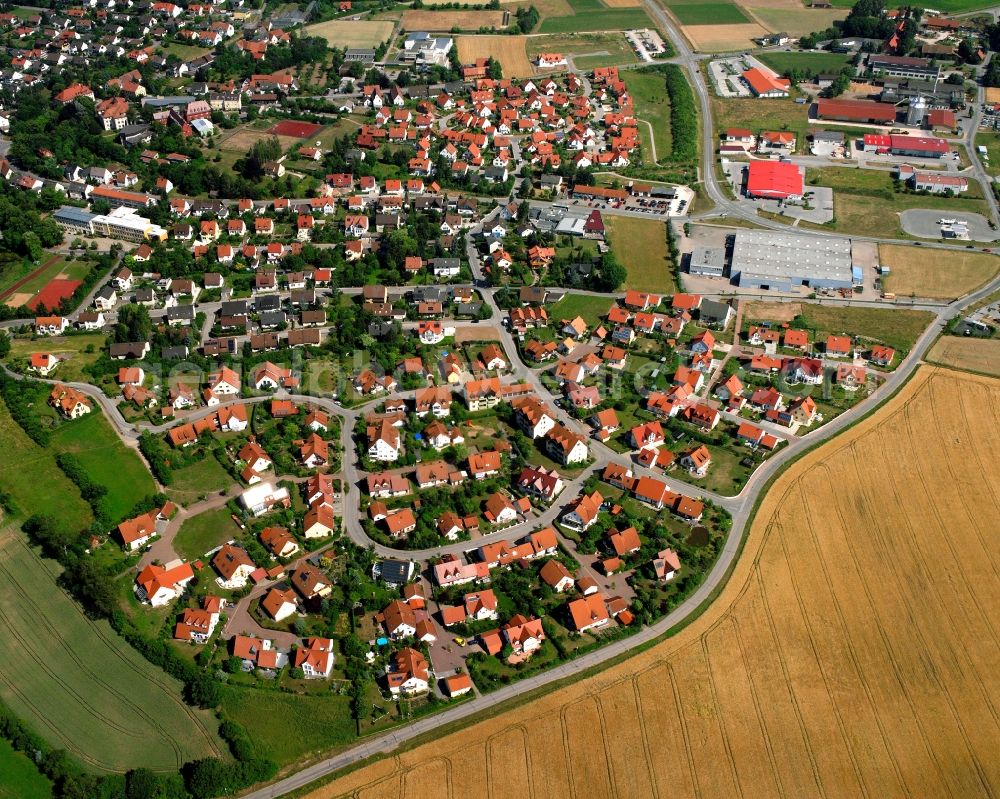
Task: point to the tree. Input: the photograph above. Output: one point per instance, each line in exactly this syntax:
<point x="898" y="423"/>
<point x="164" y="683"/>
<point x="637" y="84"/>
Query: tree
<point x="134" y="324"/>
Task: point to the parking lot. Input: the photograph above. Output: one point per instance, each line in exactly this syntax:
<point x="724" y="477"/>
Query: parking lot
<point x="927" y="224"/>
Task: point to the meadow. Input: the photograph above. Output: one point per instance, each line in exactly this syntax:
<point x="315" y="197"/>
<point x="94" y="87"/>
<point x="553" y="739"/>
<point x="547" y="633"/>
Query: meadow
<point x="652" y="104"/>
<point x="897" y="327"/>
<point x="109" y="462"/>
<point x="19" y="779"/>
<point x="852" y="652"/>
<point x="614" y="45"/>
<point x="641" y="245"/>
<point x="589" y="308"/>
<point x="808" y="63"/>
<point x="947" y="275"/>
<point x="78" y="684"/>
<point x="290" y="727"/>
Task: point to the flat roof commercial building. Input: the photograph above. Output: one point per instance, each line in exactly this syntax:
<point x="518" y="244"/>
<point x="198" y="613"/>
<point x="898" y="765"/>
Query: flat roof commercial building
<point x="779" y="261"/>
<point x="903" y="67"/>
<point x="707" y="261"/>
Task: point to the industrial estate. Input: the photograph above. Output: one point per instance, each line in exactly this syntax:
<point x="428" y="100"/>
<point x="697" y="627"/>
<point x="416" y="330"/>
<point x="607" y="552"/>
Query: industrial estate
<point x="396" y="391"/>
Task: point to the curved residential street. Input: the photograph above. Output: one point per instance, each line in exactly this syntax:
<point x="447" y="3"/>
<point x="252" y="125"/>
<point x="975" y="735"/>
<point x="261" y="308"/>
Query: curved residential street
<point x="740" y="506"/>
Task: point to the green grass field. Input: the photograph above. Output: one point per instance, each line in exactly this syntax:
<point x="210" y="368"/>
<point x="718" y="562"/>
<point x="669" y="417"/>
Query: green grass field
<point x="573" y="305"/>
<point x="865" y="204"/>
<point x="897" y="327"/>
<point x="614" y="44"/>
<point x="288" y="727"/>
<point x="78" y="684"/>
<point x="78" y="352"/>
<point x="652" y="104"/>
<point x="777" y="114"/>
<point x="30" y="476"/>
<point x="590" y="15"/>
<point x="107" y="460"/>
<point x="641" y="246"/>
<point x="709" y="14"/>
<point x="991" y="141"/>
<point x="204" y="532"/>
<point x="19" y="779"/>
<point x="197" y="479"/>
<point x="808" y="63"/>
<point x="185" y="52"/>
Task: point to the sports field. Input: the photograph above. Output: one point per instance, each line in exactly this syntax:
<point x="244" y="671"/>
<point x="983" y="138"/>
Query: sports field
<point x="508" y="50"/>
<point x="53" y="293"/>
<point x="972" y="354"/>
<point x="243" y="138"/>
<point x="75" y="682"/>
<point x="852" y="653"/>
<point x="641" y="245"/>
<point x="20" y="284"/>
<point x="948" y="275"/>
<point x="109" y="462"/>
<point x="297" y="130"/>
<point x="352" y="33"/>
<point x="420" y="20"/>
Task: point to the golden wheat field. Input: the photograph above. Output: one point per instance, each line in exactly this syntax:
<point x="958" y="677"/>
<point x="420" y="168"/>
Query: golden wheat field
<point x="974" y="354"/>
<point x="949" y="274"/>
<point x="508" y="50"/>
<point x="853" y="653"/>
<point x="723" y="38"/>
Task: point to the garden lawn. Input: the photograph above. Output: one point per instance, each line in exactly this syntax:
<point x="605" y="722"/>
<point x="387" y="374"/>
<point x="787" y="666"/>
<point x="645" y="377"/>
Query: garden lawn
<point x="204" y="532"/>
<point x="109" y="462"/>
<point x="709" y="14"/>
<point x="591" y="309"/>
<point x="19" y="779"/>
<point x="29" y="475"/>
<point x="290" y="727"/>
<point x="202" y="477"/>
<point x="652" y="104"/>
<point x="641" y="246"/>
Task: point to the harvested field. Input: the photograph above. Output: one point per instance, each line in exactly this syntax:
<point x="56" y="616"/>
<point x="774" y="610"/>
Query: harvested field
<point x="947" y="275"/>
<point x="723" y="38"/>
<point x="447" y="20"/>
<point x="622" y="3"/>
<point x="972" y="354"/>
<point x="795" y="22"/>
<point x="993" y="94"/>
<point x="852" y="653"/>
<point x="298" y="130"/>
<point x="508" y="50"/>
<point x="79" y="685"/>
<point x="352" y="33"/>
